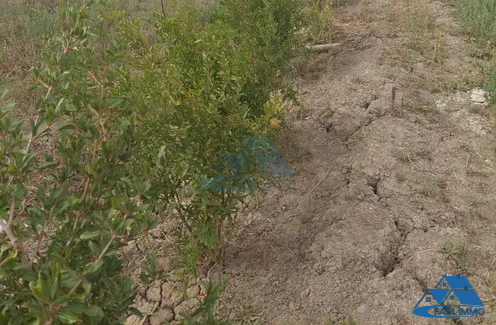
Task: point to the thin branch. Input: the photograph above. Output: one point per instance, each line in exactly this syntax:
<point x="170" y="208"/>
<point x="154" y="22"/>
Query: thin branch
<point x="11" y="213"/>
<point x="181" y="215"/>
<point x="96" y="261"/>
<point x="105" y="249"/>
<point x="5" y="227"/>
<point x="163" y="7"/>
<point x="31" y="137"/>
<point x="183" y="219"/>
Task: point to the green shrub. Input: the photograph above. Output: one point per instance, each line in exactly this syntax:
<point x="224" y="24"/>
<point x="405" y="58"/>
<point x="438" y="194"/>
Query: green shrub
<point x="70" y="209"/>
<point x="130" y="117"/>
<point x="206" y="79"/>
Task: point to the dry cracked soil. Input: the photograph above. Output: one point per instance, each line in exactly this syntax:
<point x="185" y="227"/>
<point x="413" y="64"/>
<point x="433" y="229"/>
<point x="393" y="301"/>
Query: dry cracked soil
<point x="394" y="158"/>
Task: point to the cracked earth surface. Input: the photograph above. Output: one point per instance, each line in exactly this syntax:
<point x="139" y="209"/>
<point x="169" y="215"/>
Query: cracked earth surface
<point x="404" y="168"/>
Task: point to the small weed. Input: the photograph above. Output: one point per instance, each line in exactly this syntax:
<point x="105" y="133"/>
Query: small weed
<point x="451" y="85"/>
<point x="404" y="154"/>
<point x="424" y="153"/>
<point x="482" y="53"/>
<point x="362" y="192"/>
<point x="319" y="17"/>
<point x="431" y="186"/>
<point x="417" y="18"/>
<point x="401" y="177"/>
<point x="349" y="321"/>
<point x="431" y="112"/>
<point x="424" y="35"/>
<point x="492" y="288"/>
<point x="492" y="293"/>
<point x="247" y="318"/>
<point x="360" y="136"/>
<point x="457" y="253"/>
<point x="480" y="110"/>
<point x="302" y="155"/>
<point x="301" y="111"/>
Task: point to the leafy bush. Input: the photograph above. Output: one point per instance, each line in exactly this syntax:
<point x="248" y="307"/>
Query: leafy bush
<point x="77" y="204"/>
<point x="205" y="81"/>
<point x="130" y="117"/>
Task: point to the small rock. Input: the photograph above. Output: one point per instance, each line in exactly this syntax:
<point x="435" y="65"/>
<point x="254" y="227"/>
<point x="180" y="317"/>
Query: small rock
<point x="162" y="316"/>
<point x="185" y="308"/>
<point x="154" y="294"/>
<point x="133" y="320"/>
<point x="165" y="264"/>
<point x="376" y="107"/>
<point x="176" y="298"/>
<point x="318" y="268"/>
<point x="305" y="293"/>
<point x="193" y="292"/>
<point x="292" y="306"/>
<point x="168" y="289"/>
<point x="478" y="96"/>
<point x="419" y="66"/>
<point x="364" y="104"/>
<point x="145" y="306"/>
<point x="175" y="276"/>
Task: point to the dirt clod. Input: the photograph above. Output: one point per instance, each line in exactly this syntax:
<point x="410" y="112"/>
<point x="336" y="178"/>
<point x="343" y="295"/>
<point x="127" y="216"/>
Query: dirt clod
<point x="162" y="316"/>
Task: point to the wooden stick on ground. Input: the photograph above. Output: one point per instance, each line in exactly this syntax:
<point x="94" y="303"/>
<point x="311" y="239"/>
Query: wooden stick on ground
<point x="323" y="47"/>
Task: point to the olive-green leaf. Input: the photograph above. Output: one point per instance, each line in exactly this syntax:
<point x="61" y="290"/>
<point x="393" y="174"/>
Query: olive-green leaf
<point x="59" y="105"/>
<point x="90" y="234"/>
<point x="94" y="311"/>
<point x="67" y="317"/>
<point x="46" y="165"/>
<point x="37" y="290"/>
<point x="92" y="268"/>
<point x="94" y="247"/>
<point x="116" y="103"/>
<point x="135" y="311"/>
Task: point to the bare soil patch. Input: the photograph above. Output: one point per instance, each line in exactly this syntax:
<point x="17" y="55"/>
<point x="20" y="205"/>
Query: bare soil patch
<point x="407" y="162"/>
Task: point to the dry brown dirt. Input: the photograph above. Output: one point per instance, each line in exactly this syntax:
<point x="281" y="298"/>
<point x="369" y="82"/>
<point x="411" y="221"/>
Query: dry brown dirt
<point x="402" y="166"/>
<point x="395" y="168"/>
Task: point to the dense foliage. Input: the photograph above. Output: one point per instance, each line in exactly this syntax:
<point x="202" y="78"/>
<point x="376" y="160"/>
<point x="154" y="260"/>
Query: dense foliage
<point x="130" y="115"/>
